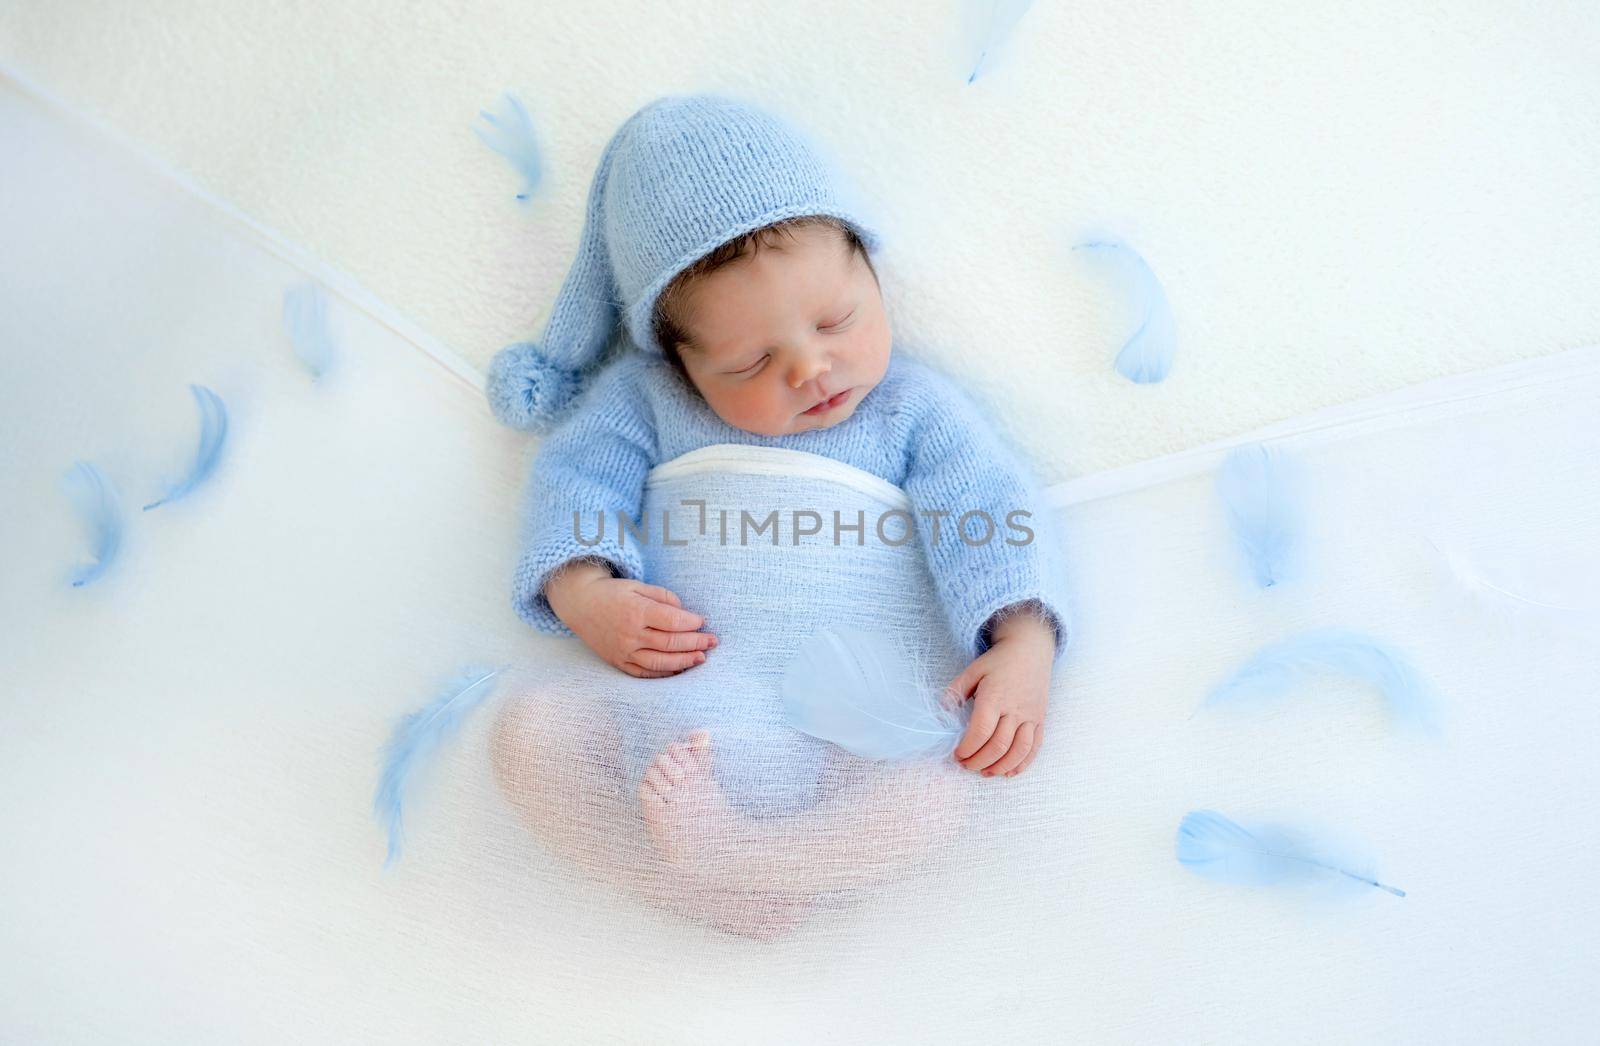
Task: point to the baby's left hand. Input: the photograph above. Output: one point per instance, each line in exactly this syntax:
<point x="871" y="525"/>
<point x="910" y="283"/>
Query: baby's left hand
<point x="1012" y="682"/>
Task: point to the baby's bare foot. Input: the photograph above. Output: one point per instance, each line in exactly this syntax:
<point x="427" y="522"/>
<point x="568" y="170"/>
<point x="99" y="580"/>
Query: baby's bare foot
<point x="684" y="809"/>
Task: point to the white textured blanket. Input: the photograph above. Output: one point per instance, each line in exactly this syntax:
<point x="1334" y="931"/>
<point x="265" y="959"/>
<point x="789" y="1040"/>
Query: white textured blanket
<point x="190" y="742"/>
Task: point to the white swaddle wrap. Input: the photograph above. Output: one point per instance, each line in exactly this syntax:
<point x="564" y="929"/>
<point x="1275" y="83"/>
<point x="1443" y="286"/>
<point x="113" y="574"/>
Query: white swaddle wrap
<point x="768" y="569"/>
<point x="747" y="536"/>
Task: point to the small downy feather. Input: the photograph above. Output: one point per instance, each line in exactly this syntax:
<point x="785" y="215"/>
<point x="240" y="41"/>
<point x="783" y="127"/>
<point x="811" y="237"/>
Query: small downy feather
<point x="96" y="501"/>
<point x="213" y="434"/>
<point x="855" y="690"/>
<point x="996" y="20"/>
<point x="1146" y="357"/>
<point x="305" y="317"/>
<point x="1258" y="490"/>
<point x="418" y="736"/>
<point x="511" y="135"/>
<point x="1471" y="581"/>
<point x="1211" y="845"/>
<point x="1280" y="666"/>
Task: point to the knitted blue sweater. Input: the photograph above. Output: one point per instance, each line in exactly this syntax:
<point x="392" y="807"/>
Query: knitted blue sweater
<point x="915" y="429"/>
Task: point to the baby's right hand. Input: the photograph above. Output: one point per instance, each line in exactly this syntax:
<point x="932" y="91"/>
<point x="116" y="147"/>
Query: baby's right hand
<point x="641" y="629"/>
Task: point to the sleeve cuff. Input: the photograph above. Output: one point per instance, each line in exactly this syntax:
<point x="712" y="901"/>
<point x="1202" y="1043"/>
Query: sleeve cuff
<point x="1034" y="606"/>
<point x="999" y="592"/>
<point x="539" y="565"/>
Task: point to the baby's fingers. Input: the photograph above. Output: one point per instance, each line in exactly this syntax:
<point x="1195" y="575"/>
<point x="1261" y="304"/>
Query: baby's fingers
<point x="995" y="747"/>
<point x="1038" y="739"/>
<point x="979" y="729"/>
<point x="677" y="641"/>
<point x="671" y="618"/>
<point x="642" y="673"/>
<point x="659" y="594"/>
<point x="1020" y="747"/>
<point x="661" y="661"/>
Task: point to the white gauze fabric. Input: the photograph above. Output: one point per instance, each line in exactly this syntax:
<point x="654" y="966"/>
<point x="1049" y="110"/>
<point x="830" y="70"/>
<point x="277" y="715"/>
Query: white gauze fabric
<point x="772" y="546"/>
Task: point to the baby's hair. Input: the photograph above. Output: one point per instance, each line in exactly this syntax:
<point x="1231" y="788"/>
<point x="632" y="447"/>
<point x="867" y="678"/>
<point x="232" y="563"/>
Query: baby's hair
<point x="668" y="320"/>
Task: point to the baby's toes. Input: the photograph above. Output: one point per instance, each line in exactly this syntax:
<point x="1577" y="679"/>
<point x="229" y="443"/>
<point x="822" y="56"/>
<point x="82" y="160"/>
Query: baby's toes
<point x="699" y="749"/>
<point x="650" y="798"/>
<point x="673" y="763"/>
<point x="655" y="777"/>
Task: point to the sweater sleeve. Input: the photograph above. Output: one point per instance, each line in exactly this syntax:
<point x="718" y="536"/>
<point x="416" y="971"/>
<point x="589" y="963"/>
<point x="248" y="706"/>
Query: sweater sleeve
<point x="965" y="482"/>
<point x="593" y="464"/>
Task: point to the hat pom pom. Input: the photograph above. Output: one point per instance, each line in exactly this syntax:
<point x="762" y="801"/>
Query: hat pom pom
<point x="525" y="389"/>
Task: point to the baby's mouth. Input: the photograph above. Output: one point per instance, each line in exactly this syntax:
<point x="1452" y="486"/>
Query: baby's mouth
<point x="829" y="404"/>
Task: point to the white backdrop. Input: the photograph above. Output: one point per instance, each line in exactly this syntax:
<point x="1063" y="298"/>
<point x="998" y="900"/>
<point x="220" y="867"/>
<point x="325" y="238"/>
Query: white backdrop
<point x="1341" y="198"/>
<point x="189" y="743"/>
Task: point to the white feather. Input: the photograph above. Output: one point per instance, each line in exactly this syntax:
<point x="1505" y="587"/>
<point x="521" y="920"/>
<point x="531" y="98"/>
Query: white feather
<point x="857" y="691"/>
<point x="1472" y="581"/>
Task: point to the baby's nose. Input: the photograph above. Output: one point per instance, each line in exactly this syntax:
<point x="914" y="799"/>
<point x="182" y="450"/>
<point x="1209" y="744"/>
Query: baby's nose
<point x="806" y="370"/>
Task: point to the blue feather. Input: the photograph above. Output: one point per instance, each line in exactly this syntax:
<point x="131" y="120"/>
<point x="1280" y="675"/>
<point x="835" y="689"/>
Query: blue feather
<point x="96" y="501"/>
<point x="996" y="26"/>
<point x="1211" y="845"/>
<point x="1146" y="356"/>
<point x="213" y="434"/>
<point x="418" y="736"/>
<point x="305" y="316"/>
<point x="1279" y="666"/>
<point x="1258" y="489"/>
<point x="856" y="691"/>
<point x="512" y="137"/>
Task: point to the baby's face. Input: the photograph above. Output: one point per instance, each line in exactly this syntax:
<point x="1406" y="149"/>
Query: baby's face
<point x="778" y="332"/>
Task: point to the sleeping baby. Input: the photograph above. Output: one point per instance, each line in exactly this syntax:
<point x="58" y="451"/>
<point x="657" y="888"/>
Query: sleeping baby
<point x="740" y="267"/>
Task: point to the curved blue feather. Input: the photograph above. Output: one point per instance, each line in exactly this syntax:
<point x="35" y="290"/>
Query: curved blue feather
<point x="996" y="26"/>
<point x="511" y="135"/>
<point x="96" y="501"/>
<point x="1146" y="357"/>
<point x="1277" y="667"/>
<point x="418" y="736"/>
<point x="305" y="316"/>
<point x="855" y="690"/>
<point x="1211" y="845"/>
<point x="1258" y="490"/>
<point x="213" y="434"/>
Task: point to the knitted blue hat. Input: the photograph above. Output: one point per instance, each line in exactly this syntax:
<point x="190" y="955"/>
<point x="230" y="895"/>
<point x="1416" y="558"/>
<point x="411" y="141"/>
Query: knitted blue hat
<point x="681" y="177"/>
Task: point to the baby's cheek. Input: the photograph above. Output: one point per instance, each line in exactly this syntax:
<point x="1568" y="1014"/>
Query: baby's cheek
<point x="755" y="406"/>
<point x="874" y="345"/>
<point x="736" y="412"/>
<point x="761" y="410"/>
